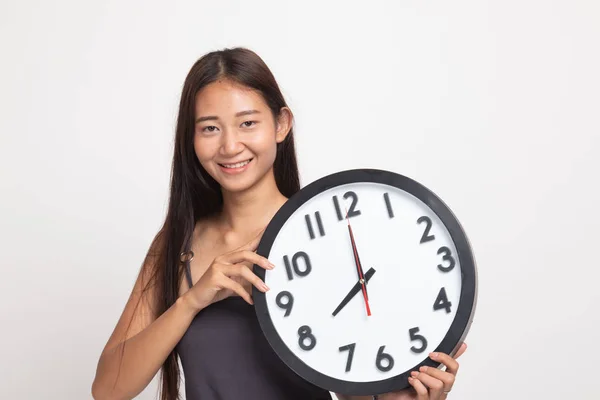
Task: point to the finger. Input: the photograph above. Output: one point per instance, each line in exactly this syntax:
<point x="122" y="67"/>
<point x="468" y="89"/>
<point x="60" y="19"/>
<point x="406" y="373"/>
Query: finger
<point x="450" y="363"/>
<point x="444" y="376"/>
<point x="246" y="273"/>
<point x="253" y="258"/>
<point x="228" y="283"/>
<point x="461" y="350"/>
<point x="421" y="390"/>
<point x="436" y="386"/>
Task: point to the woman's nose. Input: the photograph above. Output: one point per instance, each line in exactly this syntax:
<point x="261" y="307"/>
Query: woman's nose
<point x="230" y="144"/>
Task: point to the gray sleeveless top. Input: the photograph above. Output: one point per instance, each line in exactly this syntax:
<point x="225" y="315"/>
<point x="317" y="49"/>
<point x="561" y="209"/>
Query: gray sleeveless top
<point x="225" y="356"/>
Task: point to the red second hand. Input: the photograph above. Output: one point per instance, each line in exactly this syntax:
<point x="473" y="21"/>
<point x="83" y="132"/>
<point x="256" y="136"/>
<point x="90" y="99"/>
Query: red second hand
<point x="359" y="267"/>
<point x="362" y="278"/>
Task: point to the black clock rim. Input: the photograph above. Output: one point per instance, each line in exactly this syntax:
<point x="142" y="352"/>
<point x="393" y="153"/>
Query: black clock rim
<point x="467" y="302"/>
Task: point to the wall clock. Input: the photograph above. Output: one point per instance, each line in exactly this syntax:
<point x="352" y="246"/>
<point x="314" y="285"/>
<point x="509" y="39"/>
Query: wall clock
<point x="373" y="272"/>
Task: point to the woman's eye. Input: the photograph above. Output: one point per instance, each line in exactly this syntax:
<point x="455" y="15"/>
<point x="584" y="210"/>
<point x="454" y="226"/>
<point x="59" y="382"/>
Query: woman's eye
<point x="248" y="124"/>
<point x="209" y="129"/>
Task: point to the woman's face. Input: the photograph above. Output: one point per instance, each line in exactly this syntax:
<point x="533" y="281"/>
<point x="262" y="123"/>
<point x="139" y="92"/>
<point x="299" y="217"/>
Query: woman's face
<point x="236" y="135"/>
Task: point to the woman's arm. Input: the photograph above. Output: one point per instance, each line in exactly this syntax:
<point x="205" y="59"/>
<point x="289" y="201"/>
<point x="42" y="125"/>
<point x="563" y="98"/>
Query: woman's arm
<point x="141" y="342"/>
<point x="143" y="356"/>
<point x="149" y="339"/>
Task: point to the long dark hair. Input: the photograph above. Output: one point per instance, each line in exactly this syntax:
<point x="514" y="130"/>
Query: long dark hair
<point x="194" y="194"/>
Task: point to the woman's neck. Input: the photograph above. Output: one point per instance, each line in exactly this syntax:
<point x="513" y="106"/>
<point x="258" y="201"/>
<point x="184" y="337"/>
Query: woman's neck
<point x="252" y="209"/>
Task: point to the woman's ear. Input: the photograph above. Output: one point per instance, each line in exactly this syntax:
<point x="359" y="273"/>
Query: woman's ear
<point x="284" y="124"/>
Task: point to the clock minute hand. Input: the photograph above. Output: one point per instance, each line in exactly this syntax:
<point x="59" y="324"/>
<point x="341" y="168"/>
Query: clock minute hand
<point x="355" y="289"/>
<point x="359" y="270"/>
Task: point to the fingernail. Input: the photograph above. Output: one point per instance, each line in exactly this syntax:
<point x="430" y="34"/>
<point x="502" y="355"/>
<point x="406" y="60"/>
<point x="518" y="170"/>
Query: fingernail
<point x="265" y="287"/>
<point x="271" y="265"/>
<point x="410" y="379"/>
<point x="433" y="355"/>
<point x="423" y="369"/>
<point x="414" y="374"/>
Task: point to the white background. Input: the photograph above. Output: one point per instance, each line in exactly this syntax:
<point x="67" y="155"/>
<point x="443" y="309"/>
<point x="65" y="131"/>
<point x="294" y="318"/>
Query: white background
<point x="492" y="104"/>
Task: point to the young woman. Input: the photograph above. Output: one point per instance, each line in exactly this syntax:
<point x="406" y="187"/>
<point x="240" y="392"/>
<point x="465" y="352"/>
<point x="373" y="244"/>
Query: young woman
<point x="234" y="166"/>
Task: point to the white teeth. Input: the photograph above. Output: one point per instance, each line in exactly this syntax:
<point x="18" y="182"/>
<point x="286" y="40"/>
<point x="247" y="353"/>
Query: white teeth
<point x="238" y="165"/>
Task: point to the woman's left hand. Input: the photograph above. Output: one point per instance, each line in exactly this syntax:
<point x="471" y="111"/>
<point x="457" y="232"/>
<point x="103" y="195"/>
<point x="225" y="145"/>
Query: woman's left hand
<point x="430" y="383"/>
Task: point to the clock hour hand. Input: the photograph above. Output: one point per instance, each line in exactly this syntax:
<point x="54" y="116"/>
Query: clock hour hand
<point x="355" y="289"/>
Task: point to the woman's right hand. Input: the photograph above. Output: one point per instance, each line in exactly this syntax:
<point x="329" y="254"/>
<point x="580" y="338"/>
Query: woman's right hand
<point x="228" y="275"/>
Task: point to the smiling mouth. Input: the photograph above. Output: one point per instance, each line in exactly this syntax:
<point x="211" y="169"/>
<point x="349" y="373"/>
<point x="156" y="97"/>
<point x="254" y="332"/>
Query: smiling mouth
<point x="236" y="165"/>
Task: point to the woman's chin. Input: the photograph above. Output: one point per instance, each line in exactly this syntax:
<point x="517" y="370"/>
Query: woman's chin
<point x="237" y="184"/>
<point x="235" y="188"/>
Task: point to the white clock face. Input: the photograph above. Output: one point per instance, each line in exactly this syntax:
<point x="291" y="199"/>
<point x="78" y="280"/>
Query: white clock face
<point x="412" y="301"/>
<point x="417" y="298"/>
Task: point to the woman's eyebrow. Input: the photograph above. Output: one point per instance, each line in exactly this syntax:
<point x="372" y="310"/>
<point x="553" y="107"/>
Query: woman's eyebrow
<point x="214" y="117"/>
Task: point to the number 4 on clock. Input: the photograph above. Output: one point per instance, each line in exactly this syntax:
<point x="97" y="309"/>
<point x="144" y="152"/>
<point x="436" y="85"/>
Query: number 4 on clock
<point x="441" y="302"/>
